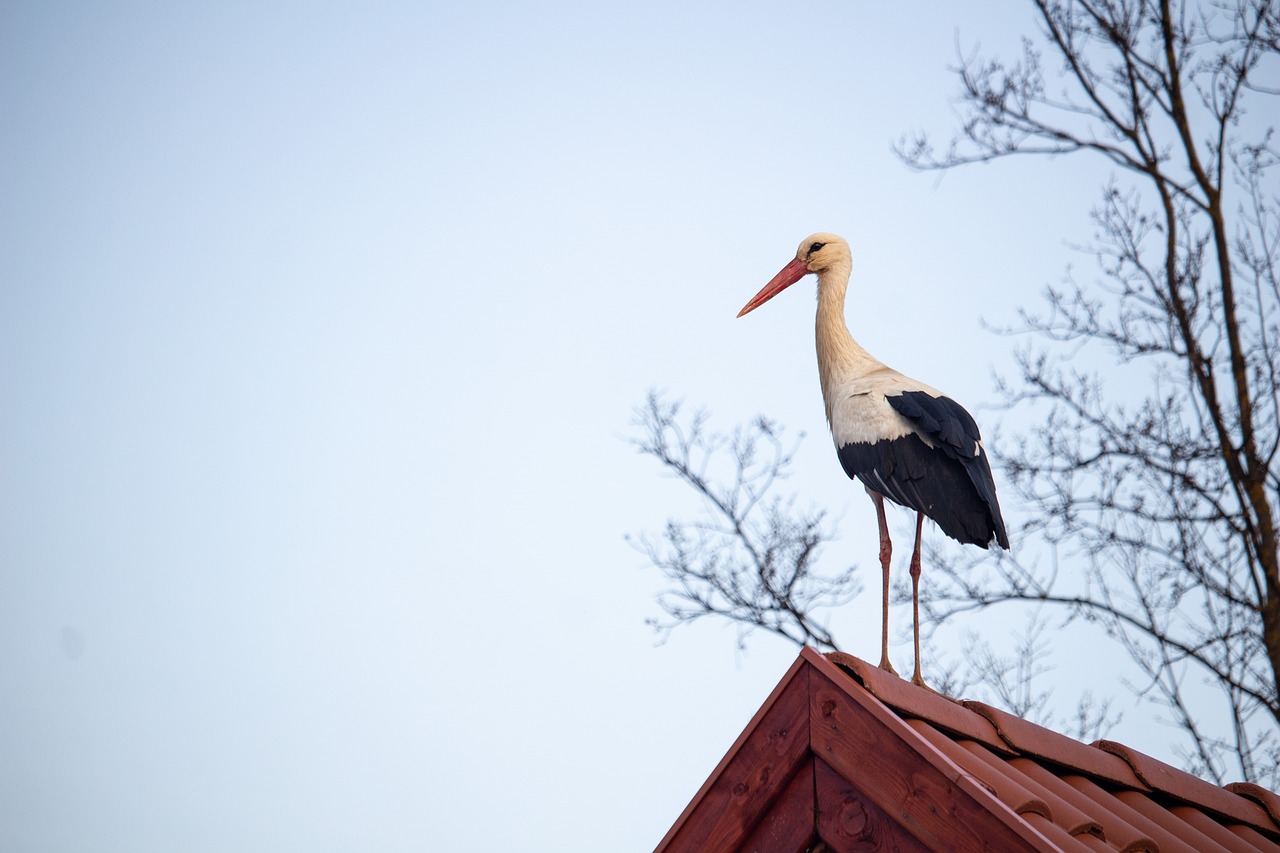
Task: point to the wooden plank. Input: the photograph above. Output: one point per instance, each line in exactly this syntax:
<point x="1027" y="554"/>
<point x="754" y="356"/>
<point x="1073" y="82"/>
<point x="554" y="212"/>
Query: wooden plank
<point x="849" y="822"/>
<point x="752" y="774"/>
<point x="789" y="825"/>
<point x="906" y="776"/>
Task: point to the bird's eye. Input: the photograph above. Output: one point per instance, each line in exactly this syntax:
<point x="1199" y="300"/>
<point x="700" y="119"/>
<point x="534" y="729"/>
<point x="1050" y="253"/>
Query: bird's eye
<point x="815" y="247"/>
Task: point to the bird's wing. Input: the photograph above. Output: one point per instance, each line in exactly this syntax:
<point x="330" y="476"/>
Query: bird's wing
<point x="879" y="445"/>
<point x="920" y="449"/>
<point x="942" y="421"/>
<point x="947" y="427"/>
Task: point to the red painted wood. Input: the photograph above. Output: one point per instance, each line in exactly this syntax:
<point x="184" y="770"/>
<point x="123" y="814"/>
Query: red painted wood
<point x="904" y="774"/>
<point x="752" y="774"/>
<point x="849" y="822"/>
<point x="788" y="827"/>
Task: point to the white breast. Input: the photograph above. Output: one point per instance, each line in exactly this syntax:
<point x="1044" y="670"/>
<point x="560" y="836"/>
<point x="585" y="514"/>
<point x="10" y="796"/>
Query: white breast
<point x="859" y="413"/>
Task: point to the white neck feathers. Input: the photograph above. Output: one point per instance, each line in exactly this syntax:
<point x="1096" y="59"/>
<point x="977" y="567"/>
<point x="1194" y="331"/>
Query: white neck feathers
<point x="840" y="358"/>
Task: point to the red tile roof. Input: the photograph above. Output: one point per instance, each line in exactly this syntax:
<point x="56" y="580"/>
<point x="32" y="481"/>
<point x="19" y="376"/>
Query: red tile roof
<point x="845" y="754"/>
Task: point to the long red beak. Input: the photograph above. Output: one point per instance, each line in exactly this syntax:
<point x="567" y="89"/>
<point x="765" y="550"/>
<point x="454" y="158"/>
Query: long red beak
<point x="786" y="277"/>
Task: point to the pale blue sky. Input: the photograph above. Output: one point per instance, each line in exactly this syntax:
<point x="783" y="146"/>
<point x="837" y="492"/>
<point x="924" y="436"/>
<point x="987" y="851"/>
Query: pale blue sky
<point x="320" y="330"/>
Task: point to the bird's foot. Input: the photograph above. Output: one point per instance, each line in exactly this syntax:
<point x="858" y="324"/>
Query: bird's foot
<point x="918" y="680"/>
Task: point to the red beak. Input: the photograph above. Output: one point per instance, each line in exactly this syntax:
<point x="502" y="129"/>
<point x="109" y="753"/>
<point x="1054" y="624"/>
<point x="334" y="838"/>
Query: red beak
<point x="786" y="277"/>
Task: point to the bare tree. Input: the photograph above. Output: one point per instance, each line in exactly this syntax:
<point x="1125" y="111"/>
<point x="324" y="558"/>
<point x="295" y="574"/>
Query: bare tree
<point x="750" y="556"/>
<point x="1153" y="485"/>
<point x="1161" y="504"/>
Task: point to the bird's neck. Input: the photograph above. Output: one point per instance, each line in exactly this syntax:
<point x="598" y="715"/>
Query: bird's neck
<point x="840" y="357"/>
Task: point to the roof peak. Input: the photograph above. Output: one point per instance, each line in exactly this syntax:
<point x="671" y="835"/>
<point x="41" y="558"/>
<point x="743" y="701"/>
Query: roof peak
<point x="847" y="754"/>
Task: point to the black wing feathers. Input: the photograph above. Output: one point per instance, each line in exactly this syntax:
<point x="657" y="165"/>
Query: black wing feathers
<point x="949" y="481"/>
<point x="940" y="418"/>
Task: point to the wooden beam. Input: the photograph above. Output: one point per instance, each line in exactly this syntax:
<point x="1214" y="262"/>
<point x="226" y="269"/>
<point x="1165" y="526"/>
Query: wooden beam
<point x="789" y="825"/>
<point x="849" y="822"/>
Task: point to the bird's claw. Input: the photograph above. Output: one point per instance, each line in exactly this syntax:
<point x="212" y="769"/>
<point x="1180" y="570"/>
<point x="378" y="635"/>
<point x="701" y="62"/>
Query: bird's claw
<point x="918" y="681"/>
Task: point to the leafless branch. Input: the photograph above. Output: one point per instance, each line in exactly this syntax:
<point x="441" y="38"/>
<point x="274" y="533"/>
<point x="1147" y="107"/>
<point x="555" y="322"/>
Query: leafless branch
<point x="751" y="555"/>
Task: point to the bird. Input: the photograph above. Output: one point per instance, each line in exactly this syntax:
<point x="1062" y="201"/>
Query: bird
<point x="904" y="441"/>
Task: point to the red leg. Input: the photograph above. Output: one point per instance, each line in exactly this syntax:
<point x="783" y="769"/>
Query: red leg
<point x="886" y="552"/>
<point x="916" y="677"/>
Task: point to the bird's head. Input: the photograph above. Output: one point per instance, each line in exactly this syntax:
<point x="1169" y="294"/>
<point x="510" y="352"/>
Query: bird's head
<point x="817" y="254"/>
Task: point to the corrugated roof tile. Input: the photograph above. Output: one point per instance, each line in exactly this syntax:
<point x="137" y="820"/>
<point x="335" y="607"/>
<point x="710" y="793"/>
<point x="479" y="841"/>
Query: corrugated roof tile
<point x="1124" y="805"/>
<point x="1201" y="823"/>
<point x="903" y="696"/>
<point x="1255" y="838"/>
<point x="1116" y="829"/>
<point x="1074" y="820"/>
<point x="1158" y="824"/>
<point x="1105" y="796"/>
<point x="1267" y="799"/>
<point x="1006" y="788"/>
<point x="1182" y="785"/>
<point x="1027" y="738"/>
<point x="1065" y="841"/>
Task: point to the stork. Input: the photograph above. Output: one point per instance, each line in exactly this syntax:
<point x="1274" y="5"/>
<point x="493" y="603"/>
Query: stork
<point x="903" y="440"/>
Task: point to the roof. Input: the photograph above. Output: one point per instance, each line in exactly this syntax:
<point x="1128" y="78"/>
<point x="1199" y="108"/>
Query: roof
<point x="845" y="755"/>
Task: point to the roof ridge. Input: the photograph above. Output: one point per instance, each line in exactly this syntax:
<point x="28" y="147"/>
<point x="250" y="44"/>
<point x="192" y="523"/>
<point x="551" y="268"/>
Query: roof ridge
<point x="913" y="701"/>
<point x="1027" y="738"/>
<point x="1190" y="788"/>
<point x="1269" y="800"/>
<point x="1108" y="761"/>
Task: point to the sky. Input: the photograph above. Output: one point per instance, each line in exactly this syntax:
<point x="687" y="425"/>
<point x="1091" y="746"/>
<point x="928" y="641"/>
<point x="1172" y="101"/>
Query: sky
<point x="321" y="331"/>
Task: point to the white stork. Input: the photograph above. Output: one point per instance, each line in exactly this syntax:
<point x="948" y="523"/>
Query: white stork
<point x="904" y="440"/>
